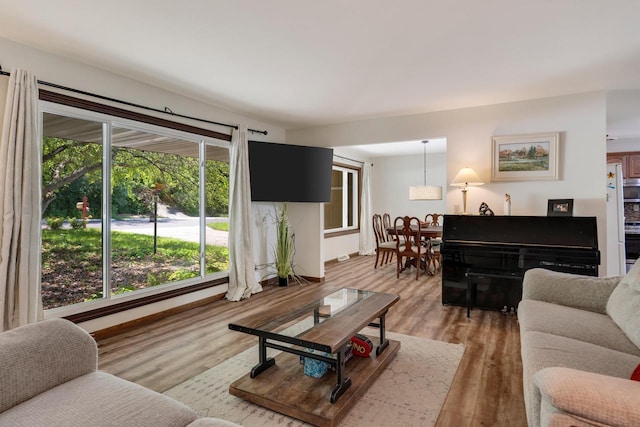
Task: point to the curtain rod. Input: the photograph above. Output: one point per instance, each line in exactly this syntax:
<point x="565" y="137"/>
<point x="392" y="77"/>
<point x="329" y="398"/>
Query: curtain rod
<point x="166" y="110"/>
<point x="352" y="160"/>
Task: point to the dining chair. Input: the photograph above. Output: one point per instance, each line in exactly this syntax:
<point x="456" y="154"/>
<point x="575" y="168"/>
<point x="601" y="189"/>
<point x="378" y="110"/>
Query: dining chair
<point x="433" y="219"/>
<point x="435" y="258"/>
<point x="386" y="224"/>
<point x="384" y="245"/>
<point x="408" y="246"/>
<point x="386" y="221"/>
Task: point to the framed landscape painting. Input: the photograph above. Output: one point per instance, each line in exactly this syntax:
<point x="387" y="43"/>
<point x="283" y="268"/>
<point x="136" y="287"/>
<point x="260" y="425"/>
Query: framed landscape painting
<point x="525" y="157"/>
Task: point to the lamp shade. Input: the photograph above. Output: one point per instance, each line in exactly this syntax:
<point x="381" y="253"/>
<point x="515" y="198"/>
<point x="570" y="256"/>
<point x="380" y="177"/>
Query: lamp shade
<point x="466" y="176"/>
<point x="425" y="192"/>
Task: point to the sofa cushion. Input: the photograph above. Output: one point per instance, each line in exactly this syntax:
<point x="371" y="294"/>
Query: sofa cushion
<point x="571" y="290"/>
<point x="602" y="400"/>
<point x="98" y="399"/>
<point x="624" y="304"/>
<point x="573" y="323"/>
<point x="541" y="350"/>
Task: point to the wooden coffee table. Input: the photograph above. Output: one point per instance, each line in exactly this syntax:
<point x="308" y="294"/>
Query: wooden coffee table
<point x="280" y="384"/>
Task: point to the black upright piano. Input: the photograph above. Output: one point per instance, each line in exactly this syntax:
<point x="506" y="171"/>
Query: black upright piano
<point x="485" y="257"/>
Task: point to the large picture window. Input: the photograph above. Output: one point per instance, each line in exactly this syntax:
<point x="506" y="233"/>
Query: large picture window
<point x="342" y="213"/>
<point x="128" y="208"/>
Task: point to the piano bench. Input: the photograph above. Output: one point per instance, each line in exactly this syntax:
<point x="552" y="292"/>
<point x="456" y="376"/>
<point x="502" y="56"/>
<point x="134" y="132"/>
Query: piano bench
<point x="474" y="275"/>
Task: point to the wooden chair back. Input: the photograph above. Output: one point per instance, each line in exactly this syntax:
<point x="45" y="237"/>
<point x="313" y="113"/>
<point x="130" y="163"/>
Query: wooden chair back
<point x="384" y="244"/>
<point x="408" y="245"/>
<point x="432" y="219"/>
<point x="378" y="229"/>
<point x="386" y="220"/>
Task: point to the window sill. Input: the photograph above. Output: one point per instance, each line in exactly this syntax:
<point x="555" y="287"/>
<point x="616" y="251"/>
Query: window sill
<point x="330" y="234"/>
<point x="114" y="306"/>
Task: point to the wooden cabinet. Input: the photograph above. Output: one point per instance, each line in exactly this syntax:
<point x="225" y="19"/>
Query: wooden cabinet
<point x="618" y="158"/>
<point x="633" y="166"/>
<point x="630" y="163"/>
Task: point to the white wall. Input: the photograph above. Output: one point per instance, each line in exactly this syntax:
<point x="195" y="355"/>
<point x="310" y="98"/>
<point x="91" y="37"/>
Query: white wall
<point x="580" y="119"/>
<point x="65" y="72"/>
<point x="623" y="145"/>
<point x="307" y="220"/>
<point x="392" y="176"/>
<point x="337" y="246"/>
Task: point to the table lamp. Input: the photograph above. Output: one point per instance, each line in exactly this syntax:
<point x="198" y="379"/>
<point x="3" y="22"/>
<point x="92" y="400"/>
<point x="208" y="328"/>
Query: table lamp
<point x="464" y="178"/>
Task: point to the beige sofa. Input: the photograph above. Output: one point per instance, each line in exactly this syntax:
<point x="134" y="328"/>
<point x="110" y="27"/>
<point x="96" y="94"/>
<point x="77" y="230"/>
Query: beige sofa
<point x="49" y="377"/>
<point x="580" y="344"/>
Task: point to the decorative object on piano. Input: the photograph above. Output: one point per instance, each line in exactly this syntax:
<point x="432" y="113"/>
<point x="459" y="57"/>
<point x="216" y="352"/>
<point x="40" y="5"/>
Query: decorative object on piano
<point x="525" y="157"/>
<point x="425" y="192"/>
<point x="464" y="178"/>
<point x="485" y="209"/>
<point x="560" y="207"/>
<point x="507" y="204"/>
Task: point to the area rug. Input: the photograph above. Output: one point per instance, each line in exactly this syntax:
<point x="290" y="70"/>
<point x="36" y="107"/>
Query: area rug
<point x="410" y="392"/>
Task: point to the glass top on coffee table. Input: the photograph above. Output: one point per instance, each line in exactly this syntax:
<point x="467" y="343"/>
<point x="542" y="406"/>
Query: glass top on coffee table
<point x="341" y="309"/>
<point x="325" y="324"/>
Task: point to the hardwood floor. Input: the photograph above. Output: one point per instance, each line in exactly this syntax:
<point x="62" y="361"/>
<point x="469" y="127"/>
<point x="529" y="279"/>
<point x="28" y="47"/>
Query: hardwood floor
<point x="487" y="389"/>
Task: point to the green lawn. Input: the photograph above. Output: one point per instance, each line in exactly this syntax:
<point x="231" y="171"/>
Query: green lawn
<point x="222" y="226"/>
<point x="72" y="263"/>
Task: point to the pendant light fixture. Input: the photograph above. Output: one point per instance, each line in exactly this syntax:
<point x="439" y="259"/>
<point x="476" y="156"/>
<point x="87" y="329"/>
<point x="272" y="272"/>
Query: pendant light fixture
<point x="425" y="192"/>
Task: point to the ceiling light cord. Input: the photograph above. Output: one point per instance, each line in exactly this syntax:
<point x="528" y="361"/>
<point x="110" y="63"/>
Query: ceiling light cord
<point x="424" y="143"/>
<point x="166" y="110"/>
<point x="425" y="192"/>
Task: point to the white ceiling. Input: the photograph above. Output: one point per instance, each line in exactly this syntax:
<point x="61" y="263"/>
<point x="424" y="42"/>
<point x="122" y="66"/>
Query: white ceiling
<point x="301" y="63"/>
<point x="401" y="148"/>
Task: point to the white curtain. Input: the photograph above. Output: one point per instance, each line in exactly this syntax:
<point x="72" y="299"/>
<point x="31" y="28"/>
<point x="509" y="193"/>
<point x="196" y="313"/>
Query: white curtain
<point x="20" y="301"/>
<point x="242" y="280"/>
<point x="367" y="239"/>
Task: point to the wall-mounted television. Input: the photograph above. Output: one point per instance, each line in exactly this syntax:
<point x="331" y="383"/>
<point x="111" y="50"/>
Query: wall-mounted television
<point x="289" y="173"/>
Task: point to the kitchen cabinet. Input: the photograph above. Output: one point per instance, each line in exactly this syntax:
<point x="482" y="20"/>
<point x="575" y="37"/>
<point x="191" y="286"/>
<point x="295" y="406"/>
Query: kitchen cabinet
<point x="633" y="166"/>
<point x="630" y="163"/>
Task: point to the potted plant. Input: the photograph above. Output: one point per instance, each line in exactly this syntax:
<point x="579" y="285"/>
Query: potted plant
<point x="284" y="247"/>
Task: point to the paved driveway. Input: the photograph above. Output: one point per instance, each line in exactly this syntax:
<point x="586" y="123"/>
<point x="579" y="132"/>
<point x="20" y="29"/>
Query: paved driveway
<point x="184" y="228"/>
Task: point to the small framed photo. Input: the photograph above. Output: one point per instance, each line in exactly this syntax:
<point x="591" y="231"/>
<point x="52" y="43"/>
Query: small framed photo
<point x="560" y="207"/>
<point x="525" y="157"/>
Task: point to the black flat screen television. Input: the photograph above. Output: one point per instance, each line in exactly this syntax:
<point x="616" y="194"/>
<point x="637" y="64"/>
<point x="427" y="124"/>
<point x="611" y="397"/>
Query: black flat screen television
<point x="289" y="173"/>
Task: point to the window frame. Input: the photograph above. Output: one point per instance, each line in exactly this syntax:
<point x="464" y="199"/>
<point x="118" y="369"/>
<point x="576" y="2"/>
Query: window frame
<point x="111" y="304"/>
<point x="357" y="191"/>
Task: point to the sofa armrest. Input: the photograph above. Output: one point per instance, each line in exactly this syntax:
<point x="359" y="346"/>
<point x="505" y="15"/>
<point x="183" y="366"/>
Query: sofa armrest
<point x="587" y="396"/>
<point x="572" y="290"/>
<point x="37" y="357"/>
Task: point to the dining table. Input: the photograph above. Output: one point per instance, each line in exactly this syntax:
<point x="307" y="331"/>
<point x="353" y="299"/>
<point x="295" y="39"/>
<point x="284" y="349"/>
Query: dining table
<point x="427" y="231"/>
